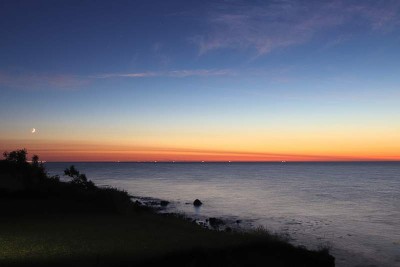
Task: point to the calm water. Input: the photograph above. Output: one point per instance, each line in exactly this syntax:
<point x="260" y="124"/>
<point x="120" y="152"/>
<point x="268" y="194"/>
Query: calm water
<point x="352" y="207"/>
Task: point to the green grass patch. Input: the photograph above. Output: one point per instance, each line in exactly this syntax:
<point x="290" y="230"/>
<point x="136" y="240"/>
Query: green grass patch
<point x="104" y="239"/>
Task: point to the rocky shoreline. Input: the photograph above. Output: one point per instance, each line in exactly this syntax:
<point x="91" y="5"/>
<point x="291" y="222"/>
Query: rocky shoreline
<point x="213" y="223"/>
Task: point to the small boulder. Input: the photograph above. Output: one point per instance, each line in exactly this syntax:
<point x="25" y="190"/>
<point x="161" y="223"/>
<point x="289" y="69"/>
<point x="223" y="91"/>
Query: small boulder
<point x="215" y="222"/>
<point x="197" y="203"/>
<point x="164" y="203"/>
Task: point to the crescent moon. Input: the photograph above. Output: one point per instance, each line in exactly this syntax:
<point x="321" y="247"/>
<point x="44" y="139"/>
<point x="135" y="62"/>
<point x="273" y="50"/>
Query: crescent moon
<point x="33" y="130"/>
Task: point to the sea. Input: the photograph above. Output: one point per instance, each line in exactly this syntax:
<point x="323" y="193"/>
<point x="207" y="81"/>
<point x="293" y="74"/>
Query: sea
<point x="352" y="208"/>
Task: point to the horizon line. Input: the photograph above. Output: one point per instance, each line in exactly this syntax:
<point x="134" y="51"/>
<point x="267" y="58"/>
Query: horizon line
<point x="233" y="161"/>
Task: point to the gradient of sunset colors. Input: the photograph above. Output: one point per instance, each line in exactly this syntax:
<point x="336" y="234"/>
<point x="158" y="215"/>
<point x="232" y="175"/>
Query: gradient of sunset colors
<point x="201" y="80"/>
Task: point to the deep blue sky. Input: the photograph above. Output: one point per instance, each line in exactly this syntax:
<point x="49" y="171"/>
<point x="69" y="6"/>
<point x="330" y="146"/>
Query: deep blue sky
<point x="189" y="74"/>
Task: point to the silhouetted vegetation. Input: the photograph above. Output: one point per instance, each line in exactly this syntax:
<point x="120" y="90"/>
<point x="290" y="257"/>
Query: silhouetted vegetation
<point x="17" y="156"/>
<point x="79" y="179"/>
<point x="49" y="222"/>
<point x="20" y="179"/>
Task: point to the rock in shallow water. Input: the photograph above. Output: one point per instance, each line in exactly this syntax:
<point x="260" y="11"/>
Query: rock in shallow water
<point x="164" y="203"/>
<point x="197" y="203"/>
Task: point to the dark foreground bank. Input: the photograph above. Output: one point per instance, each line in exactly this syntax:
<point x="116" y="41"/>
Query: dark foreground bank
<point x="47" y="222"/>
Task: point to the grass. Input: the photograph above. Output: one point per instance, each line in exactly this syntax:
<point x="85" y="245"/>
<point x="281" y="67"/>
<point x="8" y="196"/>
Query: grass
<point x="139" y="238"/>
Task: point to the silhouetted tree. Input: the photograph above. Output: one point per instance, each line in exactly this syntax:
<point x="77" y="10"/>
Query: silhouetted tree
<point x="38" y="166"/>
<point x="78" y="178"/>
<point x="35" y="160"/>
<point x="17" y="156"/>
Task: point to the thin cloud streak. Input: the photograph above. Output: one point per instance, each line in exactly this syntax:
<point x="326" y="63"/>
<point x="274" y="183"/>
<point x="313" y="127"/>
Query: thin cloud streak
<point x="42" y="81"/>
<point x="173" y="73"/>
<point x="277" y="24"/>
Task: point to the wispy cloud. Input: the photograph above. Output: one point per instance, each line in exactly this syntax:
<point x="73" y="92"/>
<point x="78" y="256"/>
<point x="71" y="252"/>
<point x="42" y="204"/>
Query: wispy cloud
<point x="172" y="73"/>
<point x="268" y="25"/>
<point x="38" y="81"/>
<point x="42" y="81"/>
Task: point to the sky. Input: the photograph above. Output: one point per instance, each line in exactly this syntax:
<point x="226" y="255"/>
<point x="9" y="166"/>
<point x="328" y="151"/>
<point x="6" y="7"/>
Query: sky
<point x="201" y="80"/>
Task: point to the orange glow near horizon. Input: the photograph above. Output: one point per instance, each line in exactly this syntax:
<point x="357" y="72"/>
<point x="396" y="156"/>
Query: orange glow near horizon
<point x="285" y="140"/>
<point x="89" y="151"/>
